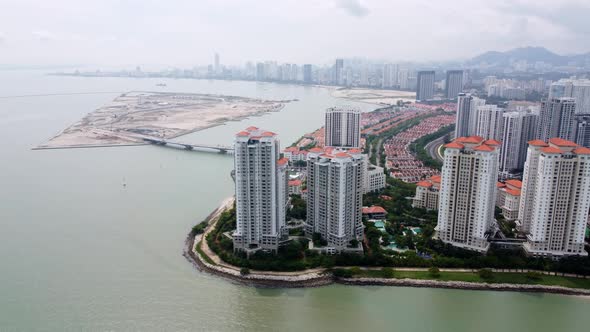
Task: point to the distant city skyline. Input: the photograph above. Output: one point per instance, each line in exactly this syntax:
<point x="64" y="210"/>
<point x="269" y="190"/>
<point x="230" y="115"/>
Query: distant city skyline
<point x="183" y="33"/>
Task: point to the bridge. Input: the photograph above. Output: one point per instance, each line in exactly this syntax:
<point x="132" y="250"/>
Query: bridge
<point x="188" y="146"/>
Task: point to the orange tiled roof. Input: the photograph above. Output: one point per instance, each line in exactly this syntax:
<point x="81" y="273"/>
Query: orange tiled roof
<point x="469" y="139"/>
<point x="342" y="155"/>
<point x="513" y="192"/>
<point x="282" y="161"/>
<point x="581" y="150"/>
<point x="550" y="149"/>
<point x="268" y="134"/>
<point x="454" y="145"/>
<point x="295" y="182"/>
<point x="562" y="142"/>
<point x="537" y="142"/>
<point x="316" y="150"/>
<point x="373" y="209"/>
<point x="251" y="128"/>
<point x="491" y="142"/>
<point x="435" y="178"/>
<point x="514" y="183"/>
<point x="500" y="185"/>
<point x="424" y="184"/>
<point x="484" y="147"/>
<point x="243" y="133"/>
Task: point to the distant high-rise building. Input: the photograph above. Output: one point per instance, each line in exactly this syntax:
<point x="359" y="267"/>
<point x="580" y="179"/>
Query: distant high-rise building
<point x="453" y="83"/>
<point x="582" y="126"/>
<point x="556" y="119"/>
<point x="518" y="129"/>
<point x="261" y="191"/>
<point x="467" y="193"/>
<point x="489" y="122"/>
<point x="307" y="74"/>
<point x="343" y="127"/>
<point x="217" y="64"/>
<point x="260" y="72"/>
<point x="425" y="85"/>
<point x="579" y="89"/>
<point x="404" y="79"/>
<point x="338" y="71"/>
<point x="390" y="73"/>
<point x="555" y="198"/>
<point x="335" y="196"/>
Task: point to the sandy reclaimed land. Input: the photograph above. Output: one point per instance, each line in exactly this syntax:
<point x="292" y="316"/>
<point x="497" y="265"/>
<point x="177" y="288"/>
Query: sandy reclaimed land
<point x="375" y="96"/>
<point x="136" y="115"/>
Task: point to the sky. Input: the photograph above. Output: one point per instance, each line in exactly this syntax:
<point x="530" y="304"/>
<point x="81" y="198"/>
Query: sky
<point x="189" y="32"/>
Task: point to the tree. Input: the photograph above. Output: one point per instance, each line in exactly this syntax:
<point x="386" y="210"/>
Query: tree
<point x="531" y="275"/>
<point x="486" y="274"/>
<point x="387" y="272"/>
<point x="434" y="272"/>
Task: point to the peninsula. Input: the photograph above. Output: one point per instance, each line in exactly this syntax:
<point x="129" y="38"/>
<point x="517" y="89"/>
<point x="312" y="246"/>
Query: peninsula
<point x="136" y="115"/>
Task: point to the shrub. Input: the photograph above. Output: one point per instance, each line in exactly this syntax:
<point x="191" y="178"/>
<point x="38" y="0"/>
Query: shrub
<point x="244" y="271"/>
<point x="355" y="270"/>
<point x="387" y="272"/>
<point x="531" y="275"/>
<point x="486" y="274"/>
<point x="434" y="272"/>
<point x="342" y="273"/>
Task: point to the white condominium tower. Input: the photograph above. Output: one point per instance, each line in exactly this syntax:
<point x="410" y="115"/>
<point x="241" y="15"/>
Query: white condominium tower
<point x="468" y="192"/>
<point x="335" y="195"/>
<point x="555" y="198"/>
<point x="465" y="125"/>
<point x="556" y="119"/>
<point x="579" y="89"/>
<point x="489" y="122"/>
<point x="518" y="128"/>
<point x="343" y="127"/>
<point x="261" y="191"/>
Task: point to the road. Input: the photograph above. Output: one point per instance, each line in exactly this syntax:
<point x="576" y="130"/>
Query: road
<point x="433" y="148"/>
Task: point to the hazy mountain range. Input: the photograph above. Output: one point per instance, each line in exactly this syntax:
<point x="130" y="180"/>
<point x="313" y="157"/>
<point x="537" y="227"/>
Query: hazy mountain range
<point x="531" y="55"/>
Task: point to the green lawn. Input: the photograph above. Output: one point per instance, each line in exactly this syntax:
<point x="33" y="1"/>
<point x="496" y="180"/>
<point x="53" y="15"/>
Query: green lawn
<point x="202" y="253"/>
<point x="508" y="278"/>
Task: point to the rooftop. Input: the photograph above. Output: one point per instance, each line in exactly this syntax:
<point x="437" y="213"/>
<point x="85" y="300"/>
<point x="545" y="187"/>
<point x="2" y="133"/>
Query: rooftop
<point x="562" y="142"/>
<point x="373" y="209"/>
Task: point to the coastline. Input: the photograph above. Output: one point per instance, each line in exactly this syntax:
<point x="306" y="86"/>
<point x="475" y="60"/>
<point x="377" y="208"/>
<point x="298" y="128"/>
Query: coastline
<point x="322" y="277"/>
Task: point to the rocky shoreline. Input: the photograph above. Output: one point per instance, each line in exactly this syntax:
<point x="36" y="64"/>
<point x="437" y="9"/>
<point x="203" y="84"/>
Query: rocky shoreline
<point x="322" y="277"/>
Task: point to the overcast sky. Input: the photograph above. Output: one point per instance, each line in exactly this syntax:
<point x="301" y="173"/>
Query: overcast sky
<point x="188" y="32"/>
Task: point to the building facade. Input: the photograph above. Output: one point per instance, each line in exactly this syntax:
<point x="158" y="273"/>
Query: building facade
<point x="468" y="193"/>
<point x="579" y="89"/>
<point x="334" y="196"/>
<point x="556" y="119"/>
<point x="582" y="127"/>
<point x="518" y="128"/>
<point x="427" y="193"/>
<point x="508" y="198"/>
<point x="559" y="201"/>
<point x="374" y="178"/>
<point x="261" y="191"/>
<point x="343" y="128"/>
<point x="489" y="122"/>
<point x="425" y="85"/>
<point x="453" y="83"/>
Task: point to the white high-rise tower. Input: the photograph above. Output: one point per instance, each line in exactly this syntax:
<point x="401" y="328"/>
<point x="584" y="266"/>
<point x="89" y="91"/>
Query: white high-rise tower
<point x="468" y="192"/>
<point x="261" y="191"/>
<point x="555" y="198"/>
<point x="343" y="128"/>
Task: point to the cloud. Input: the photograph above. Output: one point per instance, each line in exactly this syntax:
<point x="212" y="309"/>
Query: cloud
<point x="2" y="38"/>
<point x="43" y="35"/>
<point x="353" y="7"/>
